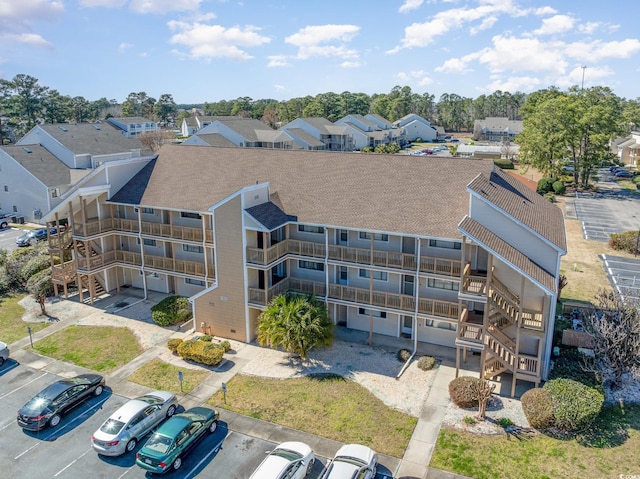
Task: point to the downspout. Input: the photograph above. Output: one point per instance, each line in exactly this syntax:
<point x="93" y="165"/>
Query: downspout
<point x="415" y="315"/>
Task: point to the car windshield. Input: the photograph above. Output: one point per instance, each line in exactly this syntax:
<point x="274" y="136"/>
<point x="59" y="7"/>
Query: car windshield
<point x="158" y="443"/>
<point x="287" y="454"/>
<point x="37" y="404"/>
<point x="150" y="399"/>
<point x="112" y="426"/>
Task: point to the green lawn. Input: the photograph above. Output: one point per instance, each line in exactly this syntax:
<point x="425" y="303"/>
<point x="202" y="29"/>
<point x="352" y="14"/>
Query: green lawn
<point x="610" y="449"/>
<point x="99" y="348"/>
<point x="157" y="374"/>
<point x="328" y="406"/>
<point x="12" y="327"/>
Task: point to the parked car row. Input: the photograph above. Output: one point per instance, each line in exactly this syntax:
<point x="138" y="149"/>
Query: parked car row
<point x="620" y="172"/>
<point x="171" y="436"/>
<point x="34" y="236"/>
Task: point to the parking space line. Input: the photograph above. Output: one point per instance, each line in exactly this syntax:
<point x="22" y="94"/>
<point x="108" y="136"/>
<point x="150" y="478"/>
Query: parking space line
<point x="125" y="472"/>
<point x="20" y="387"/>
<point x="214" y="450"/>
<point x="24" y="452"/>
<point x="72" y="463"/>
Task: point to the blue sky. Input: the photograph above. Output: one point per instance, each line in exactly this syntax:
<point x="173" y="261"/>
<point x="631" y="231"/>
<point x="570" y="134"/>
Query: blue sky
<point x="210" y="50"/>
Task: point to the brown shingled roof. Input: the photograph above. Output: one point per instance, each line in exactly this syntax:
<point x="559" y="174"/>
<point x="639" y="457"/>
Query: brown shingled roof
<point x="508" y="253"/>
<point x="522" y="204"/>
<point x="393" y="193"/>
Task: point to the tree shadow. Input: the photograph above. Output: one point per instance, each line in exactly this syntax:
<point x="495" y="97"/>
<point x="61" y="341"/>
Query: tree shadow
<point x="611" y="427"/>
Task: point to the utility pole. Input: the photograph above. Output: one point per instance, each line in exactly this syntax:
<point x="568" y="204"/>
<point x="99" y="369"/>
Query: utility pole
<point x="584" y="67"/>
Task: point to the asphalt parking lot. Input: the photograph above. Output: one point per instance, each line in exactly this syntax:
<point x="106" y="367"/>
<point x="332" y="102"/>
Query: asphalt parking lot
<point x="624" y="275"/>
<point x="65" y="452"/>
<point x="8" y="238"/>
<point x="611" y="210"/>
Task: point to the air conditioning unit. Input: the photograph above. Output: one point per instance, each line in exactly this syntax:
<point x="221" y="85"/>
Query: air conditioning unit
<point x="37" y="214"/>
<point x="135" y="210"/>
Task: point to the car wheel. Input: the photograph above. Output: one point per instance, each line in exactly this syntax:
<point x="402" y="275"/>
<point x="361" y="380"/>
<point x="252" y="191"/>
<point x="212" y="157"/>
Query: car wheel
<point x="4" y="224"/>
<point x="171" y="411"/>
<point x="1" y="361"/>
<point x="97" y="391"/>
<point x="177" y="463"/>
<point x="131" y="445"/>
<point x="55" y="420"/>
<point x="213" y="427"/>
<point x="310" y="466"/>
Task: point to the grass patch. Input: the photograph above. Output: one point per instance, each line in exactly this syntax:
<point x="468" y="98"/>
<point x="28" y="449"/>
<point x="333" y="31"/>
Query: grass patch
<point x="99" y="348"/>
<point x="328" y="406"/>
<point x="157" y="374"/>
<point x="12" y="327"/>
<point x="611" y="448"/>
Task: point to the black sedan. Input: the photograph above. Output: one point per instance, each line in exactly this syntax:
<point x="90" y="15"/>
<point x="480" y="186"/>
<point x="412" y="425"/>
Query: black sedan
<point x="47" y="407"/>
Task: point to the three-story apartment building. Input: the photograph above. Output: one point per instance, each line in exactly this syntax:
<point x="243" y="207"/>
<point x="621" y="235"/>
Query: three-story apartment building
<point x="392" y="244"/>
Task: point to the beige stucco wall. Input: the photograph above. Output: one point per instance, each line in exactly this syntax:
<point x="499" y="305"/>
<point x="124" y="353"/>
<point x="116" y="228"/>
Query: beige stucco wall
<point x="223" y="309"/>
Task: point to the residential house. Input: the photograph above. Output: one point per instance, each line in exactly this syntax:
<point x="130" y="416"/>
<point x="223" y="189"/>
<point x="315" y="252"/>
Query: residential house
<point x="627" y="149"/>
<point x="367" y="133"/>
<point x="416" y="127"/>
<point x="496" y="129"/>
<point x="246" y="133"/>
<point x="130" y="127"/>
<point x="381" y="122"/>
<point x="495" y="151"/>
<point x="334" y="137"/>
<point x="192" y="124"/>
<point x="51" y="158"/>
<point x="390" y="243"/>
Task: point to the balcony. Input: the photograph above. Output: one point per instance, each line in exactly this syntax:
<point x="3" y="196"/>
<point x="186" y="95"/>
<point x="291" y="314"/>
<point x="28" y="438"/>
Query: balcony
<point x="348" y="254"/>
<point x="160" y="230"/>
<point x="262" y="297"/>
<point x="63" y="273"/>
<point x="100" y="261"/>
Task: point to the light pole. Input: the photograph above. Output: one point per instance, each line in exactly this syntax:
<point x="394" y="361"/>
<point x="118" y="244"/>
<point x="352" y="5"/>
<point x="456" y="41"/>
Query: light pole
<point x="584" y="67"/>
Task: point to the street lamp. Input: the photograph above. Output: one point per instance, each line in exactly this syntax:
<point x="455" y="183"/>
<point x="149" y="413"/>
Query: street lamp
<point x="584" y="67"/>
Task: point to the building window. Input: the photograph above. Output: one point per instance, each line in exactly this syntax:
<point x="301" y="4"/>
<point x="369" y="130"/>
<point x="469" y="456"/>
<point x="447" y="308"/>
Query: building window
<point x="376" y="236"/>
<point x="195" y="282"/>
<point x="377" y="275"/>
<point x="310" y="265"/>
<point x="15" y="209"/>
<point x="147" y="211"/>
<point x="192" y="249"/>
<point x="376" y="314"/>
<point x="445" y="244"/>
<point x="311" y="229"/>
<point x="6" y="188"/>
<point x="186" y="214"/>
<point x="55" y="192"/>
<point x="440" y="284"/>
<point x="147" y="241"/>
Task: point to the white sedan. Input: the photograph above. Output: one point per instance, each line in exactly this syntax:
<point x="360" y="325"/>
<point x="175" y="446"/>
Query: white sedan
<point x="290" y="460"/>
<point x="352" y="460"/>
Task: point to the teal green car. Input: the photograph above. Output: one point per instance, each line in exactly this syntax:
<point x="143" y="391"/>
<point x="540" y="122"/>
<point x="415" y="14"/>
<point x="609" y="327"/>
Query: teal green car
<point x="168" y="445"/>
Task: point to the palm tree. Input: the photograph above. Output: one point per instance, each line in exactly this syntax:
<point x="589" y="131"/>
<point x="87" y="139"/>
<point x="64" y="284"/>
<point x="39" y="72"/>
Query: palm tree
<point x="295" y="323"/>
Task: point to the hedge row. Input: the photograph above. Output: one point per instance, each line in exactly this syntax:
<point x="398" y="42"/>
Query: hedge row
<point x="201" y="350"/>
<point x="172" y="310"/>
<point x="627" y="241"/>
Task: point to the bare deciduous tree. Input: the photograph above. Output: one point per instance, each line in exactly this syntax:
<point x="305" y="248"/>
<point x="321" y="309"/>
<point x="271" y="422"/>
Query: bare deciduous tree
<point x="482" y="391"/>
<point x="155" y="139"/>
<point x="615" y="327"/>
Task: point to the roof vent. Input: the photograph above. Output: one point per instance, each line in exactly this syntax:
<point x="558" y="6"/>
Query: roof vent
<point x="97" y="127"/>
<point x="28" y="150"/>
<point x="62" y="128"/>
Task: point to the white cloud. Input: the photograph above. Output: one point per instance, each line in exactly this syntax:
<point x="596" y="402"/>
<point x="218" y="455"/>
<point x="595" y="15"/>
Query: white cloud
<point x="409" y="5"/>
<point x="29" y="39"/>
<point x="419" y="77"/>
<point x="279" y="87"/>
<point x="514" y="84"/>
<point x="313" y="41"/>
<point x="555" y="24"/>
<point x="522" y="54"/>
<point x="349" y="64"/>
<point x="589" y="27"/>
<point x="103" y="3"/>
<point x="277" y="61"/>
<point x="123" y="47"/>
<point x="27" y="10"/>
<point x="163" y="6"/>
<point x="454" y="65"/>
<point x="216" y="41"/>
<point x="545" y="11"/>
<point x="597" y="50"/>
<point x="486" y="24"/>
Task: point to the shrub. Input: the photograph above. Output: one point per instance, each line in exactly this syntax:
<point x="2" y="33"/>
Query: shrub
<point x="172" y="310"/>
<point x="504" y="164"/>
<point x="206" y="337"/>
<point x="462" y="393"/>
<point x="33" y="266"/>
<point x="545" y="185"/>
<point x="367" y="149"/>
<point x="575" y="405"/>
<point x="550" y="196"/>
<point x="505" y="422"/>
<point x="469" y="420"/>
<point x="226" y="345"/>
<point x="538" y="408"/>
<point x="559" y="188"/>
<point x="202" y="352"/>
<point x="404" y="355"/>
<point x="426" y="363"/>
<point x="626" y="241"/>
<point x="418" y="140"/>
<point x="173" y="344"/>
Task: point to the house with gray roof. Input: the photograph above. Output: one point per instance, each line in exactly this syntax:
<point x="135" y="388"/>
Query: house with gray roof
<point x="334" y="137"/>
<point x="497" y="129"/>
<point x="380" y="121"/>
<point x="452" y="253"/>
<point x="415" y="127"/>
<point x="367" y="133"/>
<point x="246" y="133"/>
<point x="51" y="158"/>
<point x="192" y="124"/>
<point x="132" y="126"/>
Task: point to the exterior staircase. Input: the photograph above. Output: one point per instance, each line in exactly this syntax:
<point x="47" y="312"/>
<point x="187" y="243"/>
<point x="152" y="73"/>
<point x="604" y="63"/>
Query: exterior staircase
<point x="98" y="290"/>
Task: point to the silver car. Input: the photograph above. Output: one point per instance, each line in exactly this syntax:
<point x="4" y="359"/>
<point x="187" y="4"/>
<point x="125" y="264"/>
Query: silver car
<point x="134" y="420"/>
<point x="4" y="352"/>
